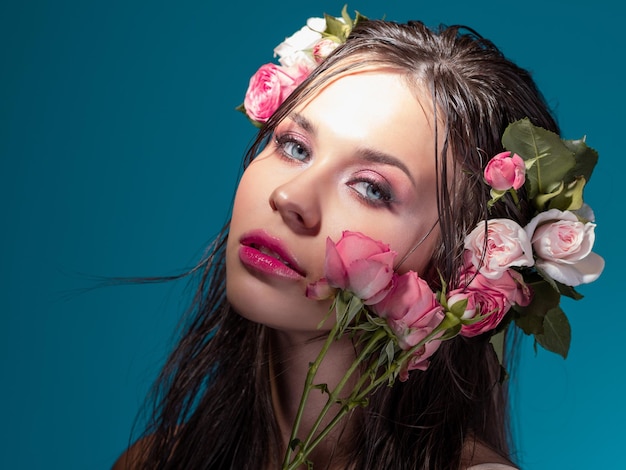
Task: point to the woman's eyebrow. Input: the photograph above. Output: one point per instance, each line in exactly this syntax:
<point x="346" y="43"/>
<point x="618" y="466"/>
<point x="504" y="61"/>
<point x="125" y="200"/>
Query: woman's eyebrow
<point x="376" y="156"/>
<point x="364" y="153"/>
<point x="304" y="123"/>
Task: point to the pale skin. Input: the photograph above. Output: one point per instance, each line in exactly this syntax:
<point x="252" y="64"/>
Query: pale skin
<point x="339" y="162"/>
<point x="358" y="156"/>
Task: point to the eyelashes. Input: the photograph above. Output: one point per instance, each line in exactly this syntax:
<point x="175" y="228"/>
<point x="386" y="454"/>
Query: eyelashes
<point x="368" y="185"/>
<point x="292" y="147"/>
<point x="373" y="192"/>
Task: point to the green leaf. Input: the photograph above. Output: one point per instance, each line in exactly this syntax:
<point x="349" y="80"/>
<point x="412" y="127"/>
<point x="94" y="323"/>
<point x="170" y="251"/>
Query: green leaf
<point x="341" y="307"/>
<point x="568" y="291"/>
<point x="476" y="318"/>
<point x="586" y="158"/>
<point x="241" y="108"/>
<point x="571" y="198"/>
<point x="497" y="342"/>
<point x="345" y="15"/>
<point x="332" y="308"/>
<point x="384" y="358"/>
<point x="551" y="159"/>
<point x="545" y="297"/>
<point x="336" y="28"/>
<point x="557" y="333"/>
<point x="323" y="388"/>
<point x="294" y="443"/>
<point x="562" y="289"/>
<point x="387" y="353"/>
<point x="349" y="21"/>
<point x="458" y="309"/>
<point x="530" y="324"/>
<point x="347" y="307"/>
<point x="367" y="326"/>
<point x="542" y="199"/>
<point x="376" y="321"/>
<point x="359" y="17"/>
<point x="354" y="307"/>
<point x="496" y="194"/>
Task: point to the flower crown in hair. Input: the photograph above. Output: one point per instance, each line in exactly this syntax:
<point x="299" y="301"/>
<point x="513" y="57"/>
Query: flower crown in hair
<point x="510" y="275"/>
<point x="297" y="55"/>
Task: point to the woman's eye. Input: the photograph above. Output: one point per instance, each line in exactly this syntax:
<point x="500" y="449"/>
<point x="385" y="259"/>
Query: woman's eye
<point x="292" y="148"/>
<point x="373" y="192"/>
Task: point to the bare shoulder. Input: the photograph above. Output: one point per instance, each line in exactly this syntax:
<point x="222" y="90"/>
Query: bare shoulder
<point x="492" y="466"/>
<point x="478" y="456"/>
<point x="131" y="458"/>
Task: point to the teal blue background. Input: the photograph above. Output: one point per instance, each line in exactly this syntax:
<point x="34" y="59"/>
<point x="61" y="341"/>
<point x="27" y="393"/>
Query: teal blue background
<point x="119" y="154"/>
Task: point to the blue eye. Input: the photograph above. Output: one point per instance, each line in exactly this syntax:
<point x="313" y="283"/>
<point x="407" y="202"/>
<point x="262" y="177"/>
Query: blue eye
<point x="372" y="192"/>
<point x="292" y="148"/>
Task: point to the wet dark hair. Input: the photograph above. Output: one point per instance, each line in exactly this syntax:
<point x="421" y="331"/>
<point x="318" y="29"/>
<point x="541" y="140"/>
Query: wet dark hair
<point x="212" y="404"/>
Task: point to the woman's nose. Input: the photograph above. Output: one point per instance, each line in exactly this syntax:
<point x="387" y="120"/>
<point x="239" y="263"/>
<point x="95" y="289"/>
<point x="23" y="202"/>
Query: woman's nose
<point x="297" y="203"/>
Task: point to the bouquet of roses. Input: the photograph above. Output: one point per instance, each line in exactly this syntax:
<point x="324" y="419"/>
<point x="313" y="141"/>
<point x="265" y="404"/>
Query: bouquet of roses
<point x="510" y="274"/>
<point x="397" y="321"/>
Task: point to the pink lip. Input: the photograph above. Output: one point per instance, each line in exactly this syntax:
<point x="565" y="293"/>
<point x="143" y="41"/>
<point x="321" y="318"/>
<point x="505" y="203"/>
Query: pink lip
<point x="266" y="254"/>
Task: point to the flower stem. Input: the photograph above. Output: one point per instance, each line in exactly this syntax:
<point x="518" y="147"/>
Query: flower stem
<point x="334" y="395"/>
<point x="349" y="404"/>
<point x="359" y="392"/>
<point x="322" y="435"/>
<point x="313" y="368"/>
<point x="309" y="444"/>
<point x="395" y="365"/>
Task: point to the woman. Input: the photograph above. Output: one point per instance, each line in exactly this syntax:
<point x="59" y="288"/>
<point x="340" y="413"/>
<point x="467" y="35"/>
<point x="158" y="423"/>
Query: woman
<point x="389" y="137"/>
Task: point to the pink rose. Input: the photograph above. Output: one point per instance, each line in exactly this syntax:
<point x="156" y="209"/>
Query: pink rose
<point x="563" y="246"/>
<point x="480" y="302"/>
<point x="357" y="264"/>
<point x="323" y="48"/>
<point x="420" y="360"/>
<point x="510" y="284"/>
<point x="504" y="171"/>
<point x="491" y="297"/>
<point x="412" y="312"/>
<point x="269" y="87"/>
<point x="507" y="244"/>
<point x="298" y="74"/>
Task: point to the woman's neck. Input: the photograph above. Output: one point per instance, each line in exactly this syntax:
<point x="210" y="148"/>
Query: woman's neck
<point x="291" y="355"/>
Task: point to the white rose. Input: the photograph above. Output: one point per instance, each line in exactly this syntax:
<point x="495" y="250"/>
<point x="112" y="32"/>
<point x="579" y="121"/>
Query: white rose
<point x="563" y="246"/>
<point x="299" y="59"/>
<point x="296" y="49"/>
<point x="507" y="245"/>
<point x="318" y="24"/>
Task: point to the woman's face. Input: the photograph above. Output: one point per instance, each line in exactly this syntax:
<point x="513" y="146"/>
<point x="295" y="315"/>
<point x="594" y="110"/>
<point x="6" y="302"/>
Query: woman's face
<point x="359" y="156"/>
